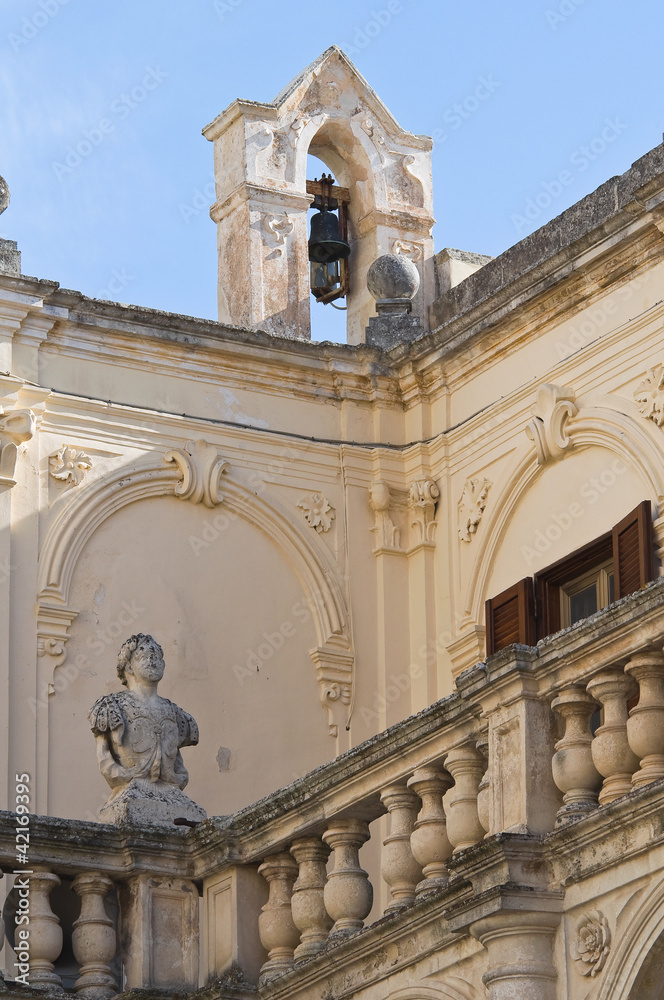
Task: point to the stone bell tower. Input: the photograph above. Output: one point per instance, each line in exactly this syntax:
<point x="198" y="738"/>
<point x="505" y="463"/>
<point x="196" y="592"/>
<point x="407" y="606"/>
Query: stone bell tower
<point x="260" y="165"/>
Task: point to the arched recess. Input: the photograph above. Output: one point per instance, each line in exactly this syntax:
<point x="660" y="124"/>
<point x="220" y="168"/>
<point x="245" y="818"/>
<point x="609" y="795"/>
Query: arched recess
<point x="608" y="422"/>
<point x="452" y="988"/>
<point x="199" y="474"/>
<point x="638" y="950"/>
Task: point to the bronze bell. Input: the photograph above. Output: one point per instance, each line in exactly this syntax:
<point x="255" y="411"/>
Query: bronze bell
<point x="325" y="242"/>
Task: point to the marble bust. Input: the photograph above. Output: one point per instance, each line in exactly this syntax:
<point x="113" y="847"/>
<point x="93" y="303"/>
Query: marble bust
<point x="139" y="735"/>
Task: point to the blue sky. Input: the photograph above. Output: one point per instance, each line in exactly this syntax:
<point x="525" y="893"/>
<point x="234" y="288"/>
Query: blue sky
<point x="532" y="103"/>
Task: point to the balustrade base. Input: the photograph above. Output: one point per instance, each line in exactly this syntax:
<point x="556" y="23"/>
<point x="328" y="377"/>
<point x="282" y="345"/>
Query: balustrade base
<point x="431" y="884"/>
<point x="571" y="812"/>
<point x="615" y="787"/>
<point x="652" y="769"/>
<point x="273" y="969"/>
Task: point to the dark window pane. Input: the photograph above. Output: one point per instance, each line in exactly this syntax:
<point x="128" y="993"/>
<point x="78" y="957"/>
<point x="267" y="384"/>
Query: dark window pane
<point x="583" y="604"/>
<point x="612" y="589"/>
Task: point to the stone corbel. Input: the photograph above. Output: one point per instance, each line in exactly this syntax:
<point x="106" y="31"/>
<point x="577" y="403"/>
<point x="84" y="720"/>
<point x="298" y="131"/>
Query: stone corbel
<point x="422" y="499"/>
<point x="548" y="429"/>
<point x="52" y="634"/>
<point x="334" y="669"/>
<point x="201" y="467"/>
<point x="382" y="499"/>
<point x="16" y="427"/>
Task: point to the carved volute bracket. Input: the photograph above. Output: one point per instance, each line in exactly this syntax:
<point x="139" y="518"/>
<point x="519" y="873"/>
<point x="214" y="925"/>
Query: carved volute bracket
<point x="422" y="499"/>
<point x="548" y="429"/>
<point x="334" y="670"/>
<point x="388" y="535"/>
<point x="16" y="427"/>
<point x="201" y="467"/>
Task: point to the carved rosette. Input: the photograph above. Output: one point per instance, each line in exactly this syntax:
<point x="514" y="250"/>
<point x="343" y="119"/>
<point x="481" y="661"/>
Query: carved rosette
<point x="201" y="467"/>
<point x="555" y="406"/>
<point x="67" y="464"/>
<point x="593" y="943"/>
<point x="318" y="511"/>
<point x="16" y="427"/>
<point x="649" y="395"/>
<point x="471" y="506"/>
<point x="422" y="499"/>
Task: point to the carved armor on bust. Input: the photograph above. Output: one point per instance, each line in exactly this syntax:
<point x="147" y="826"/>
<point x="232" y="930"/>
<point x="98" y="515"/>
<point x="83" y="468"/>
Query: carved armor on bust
<point x="139" y="735"/>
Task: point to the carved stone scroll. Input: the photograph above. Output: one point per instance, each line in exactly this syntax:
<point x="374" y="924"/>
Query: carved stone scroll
<point x="201" y="467"/>
<point x="548" y="429"/>
<point x="16" y="427"/>
<point x="388" y="536"/>
<point x="422" y="499"/>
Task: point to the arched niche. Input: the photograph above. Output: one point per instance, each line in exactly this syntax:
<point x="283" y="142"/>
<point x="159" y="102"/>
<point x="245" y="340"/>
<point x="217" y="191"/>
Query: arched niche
<point x="223" y="508"/>
<point x="599" y="436"/>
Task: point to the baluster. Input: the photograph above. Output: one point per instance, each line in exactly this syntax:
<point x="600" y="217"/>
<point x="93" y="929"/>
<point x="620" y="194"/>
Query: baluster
<point x="645" y="726"/>
<point x="45" y="931"/>
<point x="573" y="770"/>
<point x="279" y="935"/>
<point x="348" y="893"/>
<point x="399" y="868"/>
<point x="466" y="765"/>
<point x="307" y="904"/>
<point x="484" y="790"/>
<point x="429" y="841"/>
<point x="93" y="938"/>
<point x="610" y="748"/>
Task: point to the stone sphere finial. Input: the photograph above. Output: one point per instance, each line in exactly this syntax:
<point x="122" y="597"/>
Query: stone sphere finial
<point x="4" y="195"/>
<point x="393" y="277"/>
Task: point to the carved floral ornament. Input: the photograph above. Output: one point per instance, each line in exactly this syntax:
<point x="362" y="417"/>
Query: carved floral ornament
<point x="318" y="511"/>
<point x="593" y="943"/>
<point x="69" y="464"/>
<point x="471" y="506"/>
<point x="649" y="395"/>
<point x="555" y="406"/>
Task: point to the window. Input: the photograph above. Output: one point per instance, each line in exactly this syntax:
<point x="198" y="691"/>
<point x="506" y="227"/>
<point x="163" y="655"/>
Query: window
<point x="589" y="579"/>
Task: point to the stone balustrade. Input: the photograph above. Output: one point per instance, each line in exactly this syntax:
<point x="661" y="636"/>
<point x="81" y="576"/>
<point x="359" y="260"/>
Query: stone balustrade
<point x="531" y="743"/>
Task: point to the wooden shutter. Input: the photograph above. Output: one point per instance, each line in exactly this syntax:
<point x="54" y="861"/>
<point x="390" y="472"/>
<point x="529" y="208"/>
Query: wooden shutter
<point x="510" y="617"/>
<point x="633" y="565"/>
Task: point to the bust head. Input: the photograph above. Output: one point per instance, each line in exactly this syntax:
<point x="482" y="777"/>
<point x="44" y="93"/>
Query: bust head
<point x="142" y="656"/>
